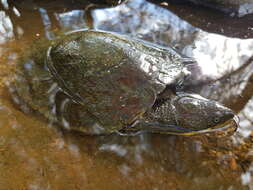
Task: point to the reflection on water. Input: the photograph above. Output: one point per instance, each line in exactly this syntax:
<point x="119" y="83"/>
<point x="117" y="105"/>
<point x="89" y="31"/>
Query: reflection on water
<point x="71" y="20"/>
<point x="6" y="29"/>
<point x="36" y="155"/>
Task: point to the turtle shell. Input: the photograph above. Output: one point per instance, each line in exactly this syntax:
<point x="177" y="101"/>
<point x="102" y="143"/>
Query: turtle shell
<point x="115" y="78"/>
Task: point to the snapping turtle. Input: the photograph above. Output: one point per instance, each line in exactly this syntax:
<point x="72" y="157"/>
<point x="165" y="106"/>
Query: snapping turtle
<point x="100" y="82"/>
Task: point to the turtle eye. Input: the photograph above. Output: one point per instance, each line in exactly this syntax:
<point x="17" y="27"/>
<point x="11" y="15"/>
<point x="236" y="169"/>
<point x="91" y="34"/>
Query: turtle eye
<point x="216" y="120"/>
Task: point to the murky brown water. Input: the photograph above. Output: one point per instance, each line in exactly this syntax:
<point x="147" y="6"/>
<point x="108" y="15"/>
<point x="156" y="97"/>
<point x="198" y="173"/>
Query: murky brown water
<point x="35" y="155"/>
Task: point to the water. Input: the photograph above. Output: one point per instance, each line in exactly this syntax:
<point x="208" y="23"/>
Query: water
<point x="37" y="155"/>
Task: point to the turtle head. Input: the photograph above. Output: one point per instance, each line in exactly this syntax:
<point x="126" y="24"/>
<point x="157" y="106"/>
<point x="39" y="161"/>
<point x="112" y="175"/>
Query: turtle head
<point x="189" y="114"/>
<point x="196" y="114"/>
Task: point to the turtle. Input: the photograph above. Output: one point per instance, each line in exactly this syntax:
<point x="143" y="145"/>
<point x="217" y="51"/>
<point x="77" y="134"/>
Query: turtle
<point x="100" y="82"/>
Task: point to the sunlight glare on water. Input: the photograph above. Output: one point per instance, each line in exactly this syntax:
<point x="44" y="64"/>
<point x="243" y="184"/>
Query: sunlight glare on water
<point x="6" y="28"/>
